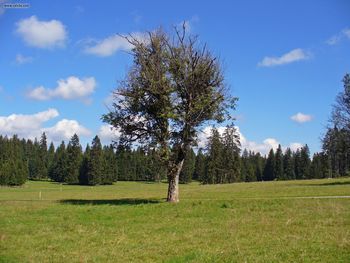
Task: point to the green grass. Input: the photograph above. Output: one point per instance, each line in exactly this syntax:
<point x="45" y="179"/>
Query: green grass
<point x="131" y="222"/>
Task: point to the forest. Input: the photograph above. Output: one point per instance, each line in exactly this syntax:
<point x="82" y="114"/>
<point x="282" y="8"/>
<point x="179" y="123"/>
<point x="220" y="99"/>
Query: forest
<point x="221" y="161"/>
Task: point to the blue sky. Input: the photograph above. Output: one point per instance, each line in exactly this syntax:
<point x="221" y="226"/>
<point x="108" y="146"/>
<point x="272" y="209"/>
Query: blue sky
<point x="59" y="61"/>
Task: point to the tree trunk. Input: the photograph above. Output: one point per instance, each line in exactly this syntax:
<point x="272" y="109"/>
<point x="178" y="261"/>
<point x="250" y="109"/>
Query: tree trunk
<point x="173" y="177"/>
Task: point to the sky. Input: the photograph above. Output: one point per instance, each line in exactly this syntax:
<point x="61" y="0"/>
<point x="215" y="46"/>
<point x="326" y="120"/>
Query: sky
<point x="284" y="60"/>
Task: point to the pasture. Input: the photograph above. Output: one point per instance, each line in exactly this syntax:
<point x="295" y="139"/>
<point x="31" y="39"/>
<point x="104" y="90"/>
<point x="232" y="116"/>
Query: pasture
<point x="283" y="221"/>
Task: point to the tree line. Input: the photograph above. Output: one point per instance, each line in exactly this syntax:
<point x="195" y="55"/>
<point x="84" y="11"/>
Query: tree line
<point x="221" y="161"/>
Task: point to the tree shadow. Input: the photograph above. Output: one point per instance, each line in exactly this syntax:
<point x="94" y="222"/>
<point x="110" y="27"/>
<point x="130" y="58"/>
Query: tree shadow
<point x="123" y="201"/>
<point x="328" y="184"/>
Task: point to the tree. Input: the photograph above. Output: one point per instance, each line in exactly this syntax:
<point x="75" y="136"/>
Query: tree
<point x="231" y="151"/>
<point x="95" y="163"/>
<point x="199" y="168"/>
<point x="213" y="170"/>
<point x="336" y="142"/>
<point x="84" y="168"/>
<point x="279" y="170"/>
<point x="188" y="168"/>
<point x="74" y="158"/>
<point x="269" y="170"/>
<point x="58" y="168"/>
<point x="109" y="174"/>
<point x="42" y="161"/>
<point x="173" y="87"/>
<point x="288" y="165"/>
<point x="305" y="162"/>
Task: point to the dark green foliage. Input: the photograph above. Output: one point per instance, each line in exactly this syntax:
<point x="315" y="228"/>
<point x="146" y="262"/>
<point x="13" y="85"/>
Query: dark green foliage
<point x="199" y="169"/>
<point x="223" y="161"/>
<point x="288" y="165"/>
<point x="188" y="167"/>
<point x="74" y="159"/>
<point x="13" y="161"/>
<point x="214" y="169"/>
<point x="336" y="142"/>
<point x="269" y="170"/>
<point x="109" y="174"/>
<point x="58" y="168"/>
<point x="95" y="163"/>
<point x="279" y="171"/>
<point x="83" y="172"/>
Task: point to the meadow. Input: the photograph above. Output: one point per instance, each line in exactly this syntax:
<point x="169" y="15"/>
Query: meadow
<point x="282" y="221"/>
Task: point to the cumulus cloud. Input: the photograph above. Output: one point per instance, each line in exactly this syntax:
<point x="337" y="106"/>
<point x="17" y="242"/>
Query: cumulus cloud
<point x="70" y="88"/>
<point x="108" y="134"/>
<point x="42" y="34"/>
<point x="301" y="117"/>
<point x="110" y="45"/>
<point x="263" y="147"/>
<point x="31" y="126"/>
<point x="20" y="59"/>
<point x="65" y="129"/>
<point x="290" y="57"/>
<point x="345" y="33"/>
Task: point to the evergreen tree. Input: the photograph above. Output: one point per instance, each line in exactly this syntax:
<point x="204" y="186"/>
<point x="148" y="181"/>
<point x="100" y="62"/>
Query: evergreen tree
<point x="109" y="173"/>
<point x="288" y="165"/>
<point x="231" y="158"/>
<point x="188" y="167"/>
<point x="269" y="170"/>
<point x="199" y="168"/>
<point x="84" y="167"/>
<point x="213" y="171"/>
<point x="74" y="158"/>
<point x="279" y="170"/>
<point x="58" y="169"/>
<point x="42" y="161"/>
<point x="304" y="162"/>
<point x="95" y="163"/>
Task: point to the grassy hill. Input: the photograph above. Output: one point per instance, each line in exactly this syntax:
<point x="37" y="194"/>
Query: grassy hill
<point x="291" y="221"/>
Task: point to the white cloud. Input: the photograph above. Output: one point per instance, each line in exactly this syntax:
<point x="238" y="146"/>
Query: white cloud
<point x="108" y="134"/>
<point x="110" y="45"/>
<point x="263" y="147"/>
<point x="290" y="57"/>
<point x="65" y="129"/>
<point x="295" y="146"/>
<point x="20" y="59"/>
<point x="301" y="117"/>
<point x="70" y="88"/>
<point x="31" y="126"/>
<point x="345" y="33"/>
<point x="42" y="34"/>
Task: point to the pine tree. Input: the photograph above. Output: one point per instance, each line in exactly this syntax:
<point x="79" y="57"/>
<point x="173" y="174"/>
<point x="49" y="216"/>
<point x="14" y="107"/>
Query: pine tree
<point x="199" y="168"/>
<point x="305" y="162"/>
<point x="279" y="170"/>
<point x="84" y="167"/>
<point x="188" y="167"/>
<point x="95" y="163"/>
<point x="42" y="164"/>
<point x="288" y="165"/>
<point x="269" y="170"/>
<point x="58" y="169"/>
<point x="109" y="173"/>
<point x="231" y="158"/>
<point x="213" y="171"/>
<point x="74" y="158"/>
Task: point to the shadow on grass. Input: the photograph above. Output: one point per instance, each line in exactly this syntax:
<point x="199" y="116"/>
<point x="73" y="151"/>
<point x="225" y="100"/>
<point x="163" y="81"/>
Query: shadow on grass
<point x="327" y="184"/>
<point x="123" y="201"/>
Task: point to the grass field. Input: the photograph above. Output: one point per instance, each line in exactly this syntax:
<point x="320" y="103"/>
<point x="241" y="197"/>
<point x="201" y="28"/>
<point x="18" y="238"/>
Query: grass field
<point x="131" y="222"/>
